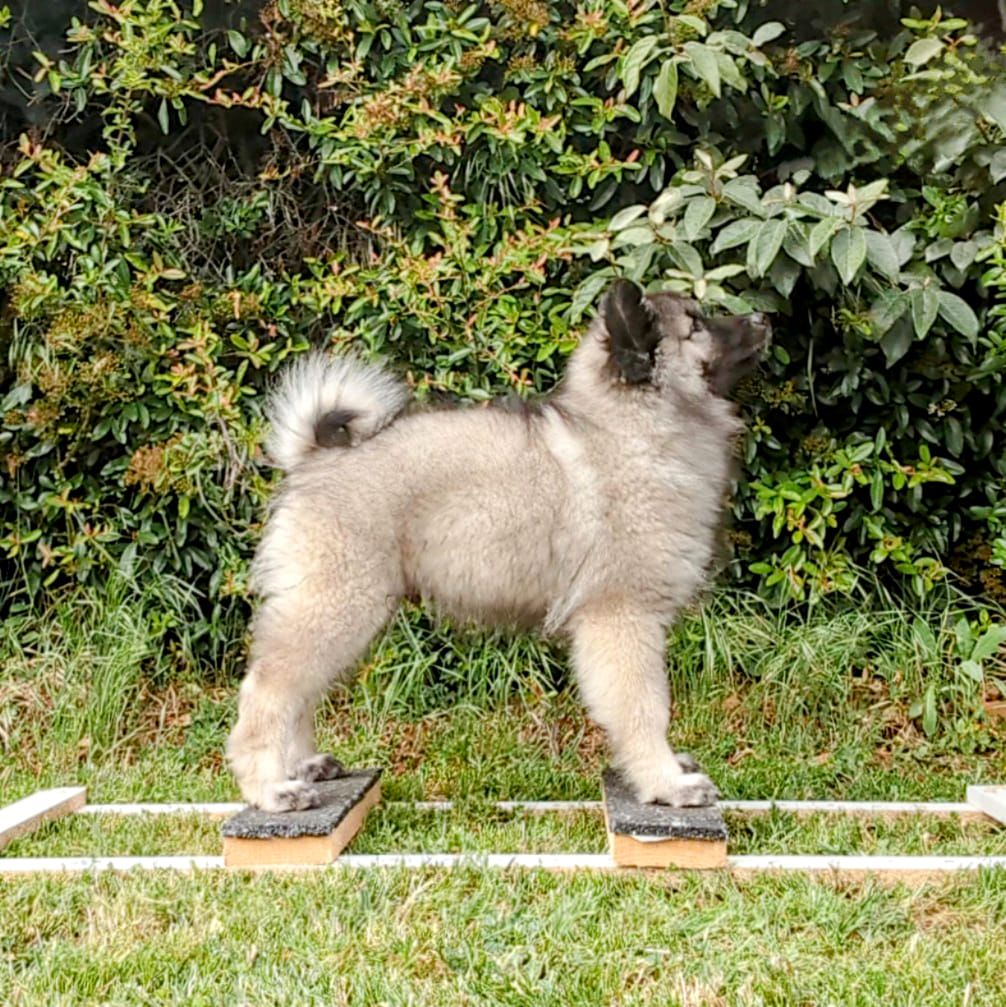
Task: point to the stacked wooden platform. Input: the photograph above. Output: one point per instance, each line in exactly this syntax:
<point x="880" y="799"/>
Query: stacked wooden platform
<point x="254" y="838"/>
<point x="654" y="835"/>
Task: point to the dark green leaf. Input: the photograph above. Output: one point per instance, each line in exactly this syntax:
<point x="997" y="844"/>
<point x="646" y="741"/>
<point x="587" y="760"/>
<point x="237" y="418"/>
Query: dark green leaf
<point x="729" y="72"/>
<point x="882" y="254"/>
<point x="738" y="232"/>
<point x="973" y="670"/>
<point x="929" y="711"/>
<point x="925" y="305"/>
<point x="724" y="272"/>
<point x="734" y="304"/>
<point x="784" y="274"/>
<point x="993" y="104"/>
<point x="665" y="204"/>
<point x="636" y="234"/>
<point x="853" y="77"/>
<point x="997" y="166"/>
<point x="989" y="643"/>
<point x="923" y="50"/>
<point x="963" y="254"/>
<point x="957" y="312"/>
<point x="954" y="436"/>
<point x="685" y="257"/>
<point x="896" y="341"/>
<point x="743" y="192"/>
<point x="889" y="306"/>
<point x="238" y="43"/>
<point x="635" y="59"/>
<point x="767" y="32"/>
<point x="797" y="244"/>
<point x="587" y="293"/>
<point x="765" y="245"/>
<point x="904" y="244"/>
<point x="665" y="88"/>
<point x="848" y="252"/>
<point x="705" y="65"/>
<point x="938" y="249"/>
<point x="625" y="217"/>
<point x="697" y="215"/>
<point x="877" y="490"/>
<point x="820" y="235"/>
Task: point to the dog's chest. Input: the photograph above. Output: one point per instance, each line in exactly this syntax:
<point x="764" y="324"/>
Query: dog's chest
<point x="662" y="516"/>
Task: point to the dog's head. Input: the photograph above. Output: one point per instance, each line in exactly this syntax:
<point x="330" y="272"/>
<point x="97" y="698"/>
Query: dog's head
<point x="665" y="340"/>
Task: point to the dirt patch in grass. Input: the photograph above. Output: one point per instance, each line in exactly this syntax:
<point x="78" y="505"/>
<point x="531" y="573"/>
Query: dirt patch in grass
<point x="555" y="734"/>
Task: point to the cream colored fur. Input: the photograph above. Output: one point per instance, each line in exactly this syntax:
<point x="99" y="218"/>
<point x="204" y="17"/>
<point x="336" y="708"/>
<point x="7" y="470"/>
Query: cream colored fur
<point x="593" y="516"/>
<point x="315" y="385"/>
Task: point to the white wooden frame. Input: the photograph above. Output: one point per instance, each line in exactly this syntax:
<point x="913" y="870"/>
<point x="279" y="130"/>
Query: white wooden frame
<point x="984" y="802"/>
<point x="967" y="810"/>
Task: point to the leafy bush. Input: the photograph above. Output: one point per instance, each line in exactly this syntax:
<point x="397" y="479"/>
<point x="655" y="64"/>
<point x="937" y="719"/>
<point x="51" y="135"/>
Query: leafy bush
<point x="450" y="186"/>
<point x="855" y="470"/>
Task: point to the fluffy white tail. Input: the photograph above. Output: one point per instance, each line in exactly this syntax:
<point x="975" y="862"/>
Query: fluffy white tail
<point x="322" y="402"/>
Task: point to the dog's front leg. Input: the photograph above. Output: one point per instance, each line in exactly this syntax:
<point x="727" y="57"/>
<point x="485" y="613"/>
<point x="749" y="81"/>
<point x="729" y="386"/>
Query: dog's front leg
<point x="618" y="654"/>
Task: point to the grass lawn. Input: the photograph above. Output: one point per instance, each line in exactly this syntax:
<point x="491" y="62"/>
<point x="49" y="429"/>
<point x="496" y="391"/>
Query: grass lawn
<point x="825" y="706"/>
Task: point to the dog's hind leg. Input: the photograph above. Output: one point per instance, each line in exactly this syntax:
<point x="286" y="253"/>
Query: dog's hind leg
<point x="618" y="655"/>
<point x="303" y="639"/>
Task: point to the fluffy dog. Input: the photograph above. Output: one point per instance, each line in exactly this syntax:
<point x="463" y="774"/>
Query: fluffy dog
<point x="593" y="514"/>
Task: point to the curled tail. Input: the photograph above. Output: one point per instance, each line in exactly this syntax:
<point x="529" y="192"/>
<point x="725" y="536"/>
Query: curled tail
<point x="326" y="402"/>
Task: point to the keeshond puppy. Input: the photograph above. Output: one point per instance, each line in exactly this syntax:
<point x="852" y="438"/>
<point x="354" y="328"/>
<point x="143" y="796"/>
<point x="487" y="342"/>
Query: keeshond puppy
<point x="593" y="514"/>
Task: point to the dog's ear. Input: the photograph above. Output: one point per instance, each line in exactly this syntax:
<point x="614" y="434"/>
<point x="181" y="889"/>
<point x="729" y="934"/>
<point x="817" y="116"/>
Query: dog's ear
<point x="632" y="331"/>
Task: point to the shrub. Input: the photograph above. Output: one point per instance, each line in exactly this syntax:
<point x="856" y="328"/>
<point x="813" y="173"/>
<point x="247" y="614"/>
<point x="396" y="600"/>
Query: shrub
<point x="451" y="185"/>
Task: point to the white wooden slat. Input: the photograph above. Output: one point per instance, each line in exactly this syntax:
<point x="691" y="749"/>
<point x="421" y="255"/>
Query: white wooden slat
<point x="989" y="799"/>
<point x="896" y="868"/>
<point x="907" y="868"/>
<point x="544" y="807"/>
<point x="881" y="808"/>
<point x="26" y="815"/>
<point x="81" y="865"/>
<point x="196" y="808"/>
<point x="545" y="861"/>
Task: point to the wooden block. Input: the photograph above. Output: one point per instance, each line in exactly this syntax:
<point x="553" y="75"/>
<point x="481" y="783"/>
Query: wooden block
<point x="990" y="799"/>
<point x="654" y="835"/>
<point x="256" y="838"/>
<point x="26" y="815"/>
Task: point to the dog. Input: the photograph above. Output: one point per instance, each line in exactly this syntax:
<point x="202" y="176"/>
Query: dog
<point x="593" y="515"/>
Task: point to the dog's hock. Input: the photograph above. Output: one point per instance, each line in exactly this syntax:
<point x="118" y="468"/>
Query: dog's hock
<point x="255" y="838"/>
<point x="657" y="835"/>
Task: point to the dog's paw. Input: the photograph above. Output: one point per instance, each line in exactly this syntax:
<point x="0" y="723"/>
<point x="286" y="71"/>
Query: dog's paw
<point x="293" y="795"/>
<point x="692" y="790"/>
<point x="667" y="784"/>
<point x="319" y="767"/>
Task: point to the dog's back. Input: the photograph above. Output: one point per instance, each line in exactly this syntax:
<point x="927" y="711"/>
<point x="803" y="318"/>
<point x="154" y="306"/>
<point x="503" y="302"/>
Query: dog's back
<point x="509" y="516"/>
